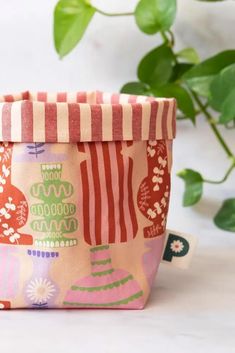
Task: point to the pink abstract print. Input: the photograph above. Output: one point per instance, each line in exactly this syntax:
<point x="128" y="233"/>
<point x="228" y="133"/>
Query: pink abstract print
<point x="106" y="198"/>
<point x="106" y="194"/>
<point x="9" y="272"/>
<point x="105" y="287"/>
<point x="154" y="191"/>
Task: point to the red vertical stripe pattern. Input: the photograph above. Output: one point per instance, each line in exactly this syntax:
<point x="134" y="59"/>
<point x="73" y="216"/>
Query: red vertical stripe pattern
<point x="137" y="121"/>
<point x="96" y="123"/>
<point x="74" y="122"/>
<point x="61" y="97"/>
<point x="50" y="122"/>
<point x="27" y="121"/>
<point x="113" y="221"/>
<point x="117" y="122"/>
<point x="108" y="117"/>
<point x="6" y="122"/>
<point x="153" y="114"/>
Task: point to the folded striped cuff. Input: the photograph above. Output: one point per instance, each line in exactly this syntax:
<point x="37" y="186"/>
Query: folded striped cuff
<point x="85" y="116"/>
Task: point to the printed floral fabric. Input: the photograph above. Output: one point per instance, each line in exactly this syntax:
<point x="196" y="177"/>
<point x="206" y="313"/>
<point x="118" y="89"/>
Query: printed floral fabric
<point x="82" y="224"/>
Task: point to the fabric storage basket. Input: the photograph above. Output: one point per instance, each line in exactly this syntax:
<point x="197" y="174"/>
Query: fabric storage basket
<point x="84" y="194"/>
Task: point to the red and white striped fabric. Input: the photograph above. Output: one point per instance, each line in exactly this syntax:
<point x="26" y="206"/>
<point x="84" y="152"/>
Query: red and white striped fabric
<point x="85" y="117"/>
<point x="105" y="194"/>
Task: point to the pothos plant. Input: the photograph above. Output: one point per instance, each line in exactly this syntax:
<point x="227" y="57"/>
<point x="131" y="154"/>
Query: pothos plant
<point x="200" y="87"/>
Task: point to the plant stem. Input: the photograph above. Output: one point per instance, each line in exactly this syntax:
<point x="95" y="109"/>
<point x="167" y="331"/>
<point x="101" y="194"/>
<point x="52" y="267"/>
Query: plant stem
<point x="164" y="37"/>
<point x="182" y="117"/>
<point x="117" y="14"/>
<point x="172" y="37"/>
<point x="229" y="171"/>
<point x="170" y="41"/>
<point x="213" y="126"/>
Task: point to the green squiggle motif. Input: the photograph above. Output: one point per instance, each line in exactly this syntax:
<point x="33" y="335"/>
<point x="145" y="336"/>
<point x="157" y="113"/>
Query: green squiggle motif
<point x="101" y="262"/>
<point x="105" y="287"/>
<point x="64" y="226"/>
<point x="117" y="303"/>
<point x="99" y="248"/>
<point x="55" y="215"/>
<point x="102" y="273"/>
<point x="42" y="191"/>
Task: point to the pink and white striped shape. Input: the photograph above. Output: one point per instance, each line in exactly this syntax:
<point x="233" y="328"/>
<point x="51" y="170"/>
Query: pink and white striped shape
<point x="85" y="117"/>
<point x="107" y="212"/>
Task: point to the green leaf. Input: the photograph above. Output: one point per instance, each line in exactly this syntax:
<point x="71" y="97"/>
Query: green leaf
<point x="153" y="16"/>
<point x="189" y="55"/>
<point x="201" y="85"/>
<point x="200" y="76"/>
<point x="184" y="100"/>
<point x="225" y="218"/>
<point x="138" y="88"/>
<point x="71" y="18"/>
<point x="228" y="109"/>
<point x="179" y="70"/>
<point x="193" y="186"/>
<point x="156" y="67"/>
<point x="221" y="87"/>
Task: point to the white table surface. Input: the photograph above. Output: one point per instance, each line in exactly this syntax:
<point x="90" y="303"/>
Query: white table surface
<point x="189" y="311"/>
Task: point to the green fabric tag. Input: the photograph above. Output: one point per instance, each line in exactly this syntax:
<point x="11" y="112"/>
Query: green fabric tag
<point x="179" y="249"/>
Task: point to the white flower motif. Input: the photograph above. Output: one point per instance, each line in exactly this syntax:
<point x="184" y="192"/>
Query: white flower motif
<point x="177" y="246"/>
<point x="40" y="290"/>
<point x="162" y="161"/>
<point x="6" y="171"/>
<point x="9" y="206"/>
<point x="157" y="179"/>
<point x="151" y="213"/>
<point x="14" y="237"/>
<point x="157" y="208"/>
<point x="151" y="151"/>
<point x="163" y="222"/>
<point x="158" y="171"/>
<point x="152" y="142"/>
<point x="4" y="213"/>
<point x="11" y="233"/>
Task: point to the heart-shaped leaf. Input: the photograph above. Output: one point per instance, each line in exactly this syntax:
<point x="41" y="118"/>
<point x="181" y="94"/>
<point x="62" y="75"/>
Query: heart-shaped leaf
<point x="155" y="68"/>
<point x="228" y="109"/>
<point x="179" y="70"/>
<point x="184" y="100"/>
<point x="199" y="78"/>
<point x="221" y="86"/>
<point x="153" y="16"/>
<point x="193" y="186"/>
<point x="222" y="91"/>
<point x="225" y="218"/>
<point x="138" y="88"/>
<point x="189" y="55"/>
<point x="71" y="18"/>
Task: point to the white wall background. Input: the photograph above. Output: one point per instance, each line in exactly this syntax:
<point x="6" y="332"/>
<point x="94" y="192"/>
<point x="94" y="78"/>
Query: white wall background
<point x="108" y="55"/>
<point x="106" y="58"/>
